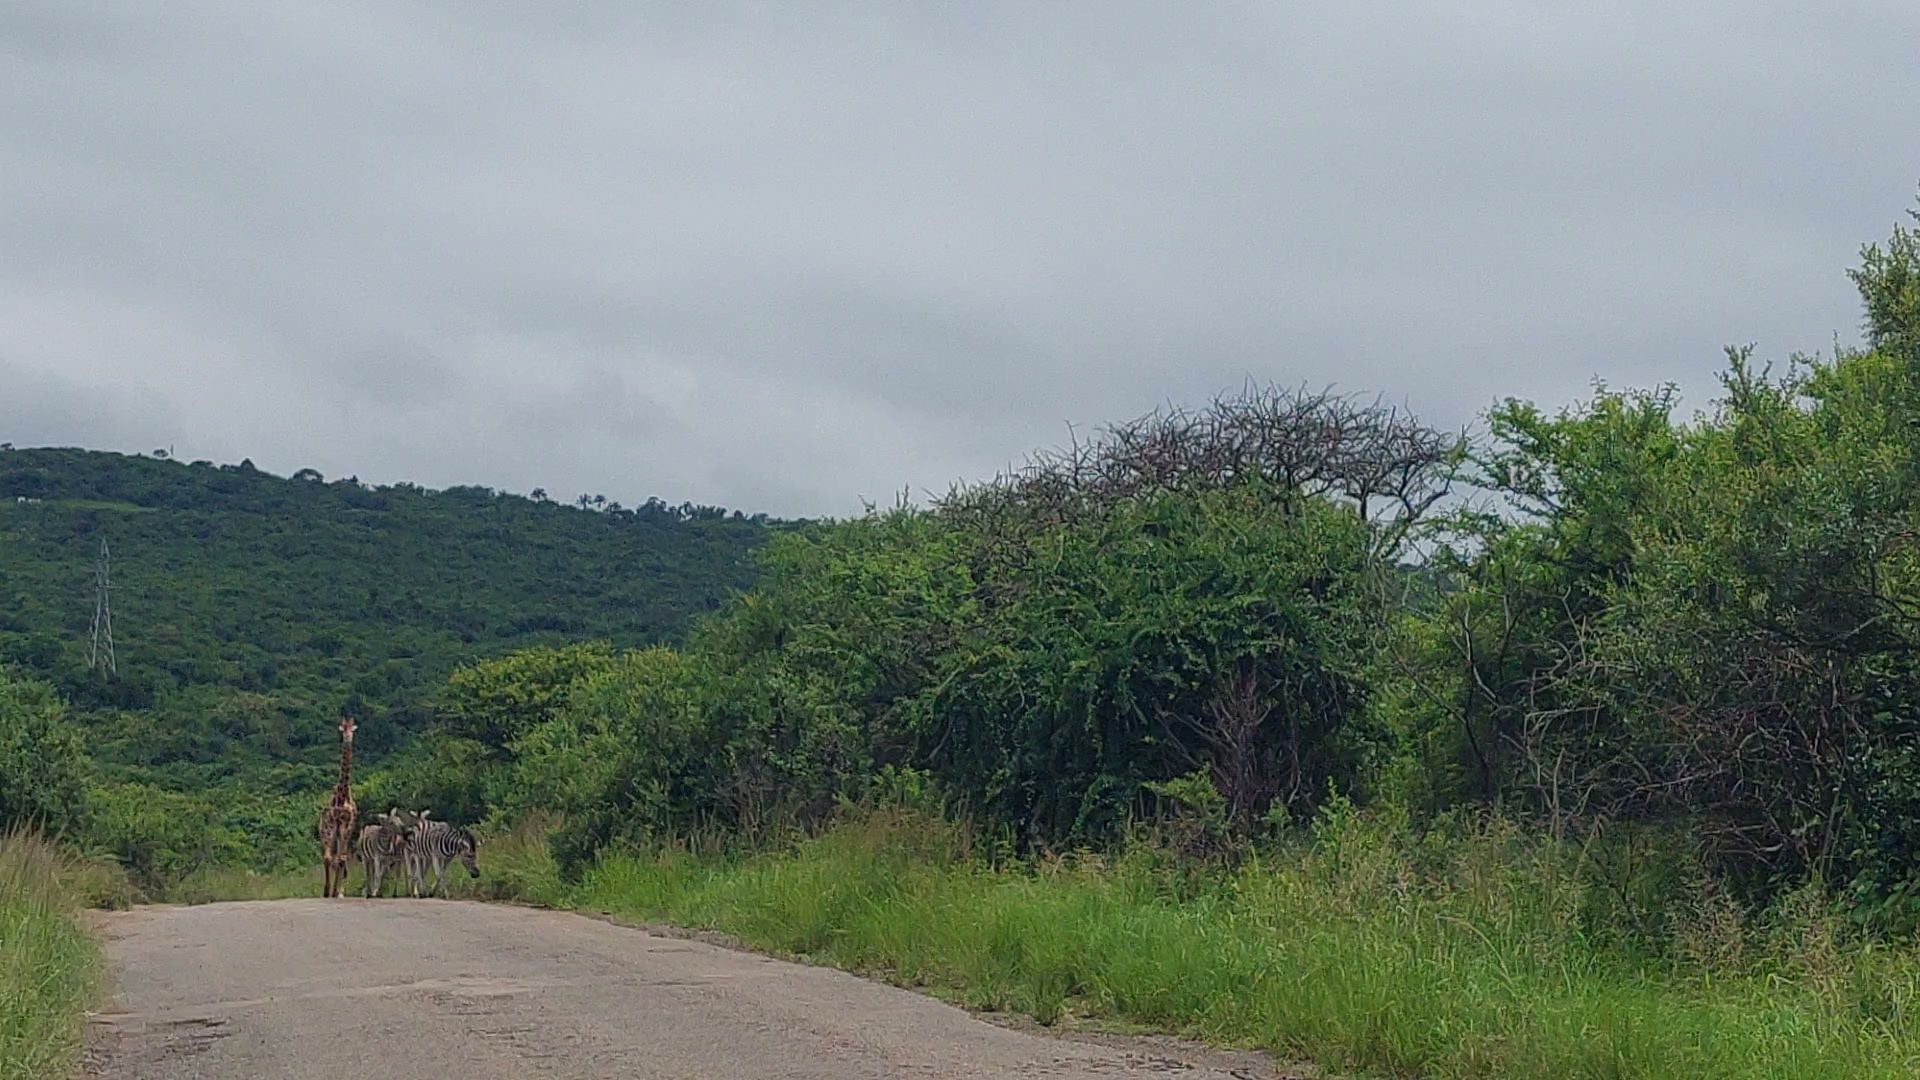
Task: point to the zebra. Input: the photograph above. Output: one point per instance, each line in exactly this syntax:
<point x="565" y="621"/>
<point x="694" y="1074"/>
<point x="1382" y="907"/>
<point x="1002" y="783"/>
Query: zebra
<point x="381" y="845"/>
<point x="438" y="843"/>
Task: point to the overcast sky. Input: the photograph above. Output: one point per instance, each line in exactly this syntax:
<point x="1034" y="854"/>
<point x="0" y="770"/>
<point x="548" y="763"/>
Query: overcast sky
<point x="791" y="256"/>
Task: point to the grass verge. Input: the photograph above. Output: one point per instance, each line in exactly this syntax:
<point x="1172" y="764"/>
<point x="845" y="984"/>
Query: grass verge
<point x="49" y="965"/>
<point x="1355" y="951"/>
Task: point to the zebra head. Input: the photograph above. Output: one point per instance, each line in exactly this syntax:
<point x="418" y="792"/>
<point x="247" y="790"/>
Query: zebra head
<point x="394" y="822"/>
<point x="467" y="850"/>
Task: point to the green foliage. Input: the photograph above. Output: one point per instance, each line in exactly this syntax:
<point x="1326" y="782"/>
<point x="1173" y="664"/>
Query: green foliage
<point x="1710" y="619"/>
<point x="1889" y="282"/>
<point x="160" y="836"/>
<point x="1709" y="623"/>
<point x="43" y="768"/>
<point x="614" y="762"/>
<point x="1206" y="630"/>
<point x="1043" y="683"/>
<point x="808" y="684"/>
<point x="455" y="778"/>
<point x="1197" y="815"/>
<point x="496" y="702"/>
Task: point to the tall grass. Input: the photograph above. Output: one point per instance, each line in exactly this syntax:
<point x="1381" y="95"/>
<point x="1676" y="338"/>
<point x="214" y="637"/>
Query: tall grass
<point x="49" y="965"/>
<point x="1361" y="950"/>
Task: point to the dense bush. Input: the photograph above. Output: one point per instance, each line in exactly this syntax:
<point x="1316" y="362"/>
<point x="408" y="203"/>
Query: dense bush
<point x="43" y="768"/>
<point x="160" y="836"/>
<point x="1712" y="620"/>
<point x="1051" y="650"/>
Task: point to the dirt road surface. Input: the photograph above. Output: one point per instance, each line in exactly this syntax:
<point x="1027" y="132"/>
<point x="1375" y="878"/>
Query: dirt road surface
<point x="347" y="988"/>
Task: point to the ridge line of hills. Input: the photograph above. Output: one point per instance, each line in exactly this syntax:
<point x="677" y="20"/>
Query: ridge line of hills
<point x="249" y="609"/>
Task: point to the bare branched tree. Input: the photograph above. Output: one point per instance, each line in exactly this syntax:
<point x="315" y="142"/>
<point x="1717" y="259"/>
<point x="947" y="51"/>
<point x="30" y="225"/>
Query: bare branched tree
<point x="1376" y="458"/>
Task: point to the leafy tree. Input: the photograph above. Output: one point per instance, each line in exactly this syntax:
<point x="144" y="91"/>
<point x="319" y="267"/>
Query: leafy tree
<point x="617" y="761"/>
<point x="496" y="702"/>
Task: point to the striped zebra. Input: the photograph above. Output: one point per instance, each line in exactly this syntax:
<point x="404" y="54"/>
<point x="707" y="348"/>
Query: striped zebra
<point x="382" y="845"/>
<point x="438" y="843"/>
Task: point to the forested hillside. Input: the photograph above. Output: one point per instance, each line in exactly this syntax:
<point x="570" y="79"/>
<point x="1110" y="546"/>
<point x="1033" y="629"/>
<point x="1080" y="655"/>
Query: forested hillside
<point x="249" y="609"/>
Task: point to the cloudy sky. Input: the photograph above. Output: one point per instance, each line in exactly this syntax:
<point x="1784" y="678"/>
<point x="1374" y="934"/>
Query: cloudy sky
<point x="787" y="256"/>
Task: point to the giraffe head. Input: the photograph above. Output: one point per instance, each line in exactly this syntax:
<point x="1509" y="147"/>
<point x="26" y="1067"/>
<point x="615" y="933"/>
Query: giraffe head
<point x="346" y="728"/>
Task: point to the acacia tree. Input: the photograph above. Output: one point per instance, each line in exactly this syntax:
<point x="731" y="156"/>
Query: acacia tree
<point x="1296" y="445"/>
<point x="1190" y="590"/>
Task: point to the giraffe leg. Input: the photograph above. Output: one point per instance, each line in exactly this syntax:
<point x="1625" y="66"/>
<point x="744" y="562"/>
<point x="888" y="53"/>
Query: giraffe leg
<point x="336" y="869"/>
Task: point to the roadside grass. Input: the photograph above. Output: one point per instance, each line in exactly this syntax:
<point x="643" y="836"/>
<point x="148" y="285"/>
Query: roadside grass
<point x="49" y="965"/>
<point x="1358" y="951"/>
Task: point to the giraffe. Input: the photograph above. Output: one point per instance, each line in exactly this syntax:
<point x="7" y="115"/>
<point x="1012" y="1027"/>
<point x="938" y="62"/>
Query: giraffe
<point x="336" y="821"/>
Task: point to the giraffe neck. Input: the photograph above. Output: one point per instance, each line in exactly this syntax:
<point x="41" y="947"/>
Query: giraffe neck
<point x="346" y="769"/>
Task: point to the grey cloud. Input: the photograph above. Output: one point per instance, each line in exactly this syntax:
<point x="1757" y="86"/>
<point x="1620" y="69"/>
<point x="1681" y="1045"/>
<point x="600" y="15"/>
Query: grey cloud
<point x="46" y="410"/>
<point x="788" y="258"/>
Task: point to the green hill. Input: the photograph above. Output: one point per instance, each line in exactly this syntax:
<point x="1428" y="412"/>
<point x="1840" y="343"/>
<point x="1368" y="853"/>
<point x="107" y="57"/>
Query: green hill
<point x="250" y="609"/>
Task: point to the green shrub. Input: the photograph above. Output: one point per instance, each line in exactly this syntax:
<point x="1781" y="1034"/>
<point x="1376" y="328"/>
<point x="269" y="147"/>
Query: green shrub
<point x="43" y="769"/>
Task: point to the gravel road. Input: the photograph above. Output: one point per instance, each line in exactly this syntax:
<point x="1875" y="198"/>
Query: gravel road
<point x="340" y="988"/>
